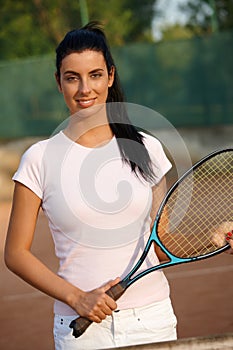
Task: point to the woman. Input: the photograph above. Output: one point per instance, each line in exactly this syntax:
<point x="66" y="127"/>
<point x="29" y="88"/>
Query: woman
<point x="99" y="181"/>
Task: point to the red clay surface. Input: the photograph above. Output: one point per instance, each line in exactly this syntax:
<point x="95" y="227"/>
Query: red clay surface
<point x="201" y="294"/>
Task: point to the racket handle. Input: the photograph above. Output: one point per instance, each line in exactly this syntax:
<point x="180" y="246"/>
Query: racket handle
<point x="80" y="324"/>
<point x="115" y="292"/>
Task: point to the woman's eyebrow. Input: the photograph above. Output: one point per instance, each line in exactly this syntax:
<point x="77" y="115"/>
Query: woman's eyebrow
<point x="71" y="72"/>
<point x="76" y="73"/>
<point x="96" y="70"/>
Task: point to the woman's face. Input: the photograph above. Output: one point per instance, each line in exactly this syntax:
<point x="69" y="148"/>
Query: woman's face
<point x="84" y="80"/>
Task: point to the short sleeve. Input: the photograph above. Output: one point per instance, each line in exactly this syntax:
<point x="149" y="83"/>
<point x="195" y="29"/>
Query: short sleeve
<point x="160" y="163"/>
<point x="28" y="172"/>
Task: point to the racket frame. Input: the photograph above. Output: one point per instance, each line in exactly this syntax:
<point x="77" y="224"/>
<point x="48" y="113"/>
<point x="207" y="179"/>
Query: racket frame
<point x="80" y="324"/>
<point x="174" y="260"/>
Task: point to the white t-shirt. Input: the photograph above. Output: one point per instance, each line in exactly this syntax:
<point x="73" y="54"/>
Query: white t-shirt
<point x="98" y="212"/>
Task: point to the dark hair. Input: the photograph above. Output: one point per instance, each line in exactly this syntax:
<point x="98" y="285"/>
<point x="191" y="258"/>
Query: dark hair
<point x="92" y="37"/>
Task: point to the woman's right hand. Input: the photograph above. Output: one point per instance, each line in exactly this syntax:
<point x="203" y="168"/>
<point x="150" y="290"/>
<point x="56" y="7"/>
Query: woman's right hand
<point x="95" y="305"/>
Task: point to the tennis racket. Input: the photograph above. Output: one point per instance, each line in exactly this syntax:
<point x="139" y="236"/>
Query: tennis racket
<point x="192" y="221"/>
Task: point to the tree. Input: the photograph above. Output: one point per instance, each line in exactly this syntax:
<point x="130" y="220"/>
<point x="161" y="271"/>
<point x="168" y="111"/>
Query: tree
<point x="34" y="27"/>
<point x="207" y="16"/>
<point x="176" y="32"/>
<point x="125" y="20"/>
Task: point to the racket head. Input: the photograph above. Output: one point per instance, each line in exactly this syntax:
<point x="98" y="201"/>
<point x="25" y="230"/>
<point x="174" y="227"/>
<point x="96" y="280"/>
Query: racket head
<point x="197" y="211"/>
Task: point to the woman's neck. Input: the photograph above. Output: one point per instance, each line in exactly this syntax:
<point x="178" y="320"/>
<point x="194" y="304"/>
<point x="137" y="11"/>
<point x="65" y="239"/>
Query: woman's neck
<point x="90" y="127"/>
<point x="96" y="137"/>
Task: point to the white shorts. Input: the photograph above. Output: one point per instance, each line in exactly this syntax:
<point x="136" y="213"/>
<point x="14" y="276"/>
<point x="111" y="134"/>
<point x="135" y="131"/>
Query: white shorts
<point x="148" y="324"/>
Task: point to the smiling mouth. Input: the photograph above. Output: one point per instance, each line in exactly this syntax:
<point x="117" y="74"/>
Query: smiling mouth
<point x="86" y="103"/>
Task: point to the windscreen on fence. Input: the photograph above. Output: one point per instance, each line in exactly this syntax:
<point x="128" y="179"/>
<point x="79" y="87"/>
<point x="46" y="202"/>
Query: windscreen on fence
<point x="190" y="82"/>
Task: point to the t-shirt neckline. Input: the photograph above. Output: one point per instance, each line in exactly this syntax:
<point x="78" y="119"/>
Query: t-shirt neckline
<point x="76" y="144"/>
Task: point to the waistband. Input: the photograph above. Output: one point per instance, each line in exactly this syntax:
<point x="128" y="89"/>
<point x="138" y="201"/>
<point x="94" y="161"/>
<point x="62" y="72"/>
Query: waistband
<point x="124" y="312"/>
<point x="132" y="311"/>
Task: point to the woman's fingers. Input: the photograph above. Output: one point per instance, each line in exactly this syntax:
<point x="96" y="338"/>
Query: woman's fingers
<point x="96" y="305"/>
<point x="110" y="284"/>
<point x="229" y="239"/>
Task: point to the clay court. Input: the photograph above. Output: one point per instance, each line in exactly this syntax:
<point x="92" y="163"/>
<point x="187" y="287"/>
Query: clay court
<point x="201" y="293"/>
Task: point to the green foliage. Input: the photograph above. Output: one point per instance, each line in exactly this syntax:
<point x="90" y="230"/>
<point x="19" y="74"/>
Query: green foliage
<point x="34" y="27"/>
<point x="207" y="16"/>
<point x="176" y="32"/>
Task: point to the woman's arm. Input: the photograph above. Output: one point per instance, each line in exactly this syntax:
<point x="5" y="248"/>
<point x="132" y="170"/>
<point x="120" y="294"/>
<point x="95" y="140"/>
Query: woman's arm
<point x="158" y="194"/>
<point x="94" y="305"/>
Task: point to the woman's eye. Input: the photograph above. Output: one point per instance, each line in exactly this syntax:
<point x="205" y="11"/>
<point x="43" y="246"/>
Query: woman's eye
<point x="96" y="75"/>
<point x="71" y="78"/>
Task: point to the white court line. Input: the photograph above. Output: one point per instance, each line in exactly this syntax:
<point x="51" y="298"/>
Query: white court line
<point x="171" y="275"/>
<point x="199" y="272"/>
<point x="21" y="296"/>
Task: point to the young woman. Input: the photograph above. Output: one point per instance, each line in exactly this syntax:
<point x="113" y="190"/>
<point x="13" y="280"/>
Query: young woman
<point x="99" y="181"/>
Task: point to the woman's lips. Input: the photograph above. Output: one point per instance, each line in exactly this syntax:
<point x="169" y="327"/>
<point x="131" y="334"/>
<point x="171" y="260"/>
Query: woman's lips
<point x="86" y="103"/>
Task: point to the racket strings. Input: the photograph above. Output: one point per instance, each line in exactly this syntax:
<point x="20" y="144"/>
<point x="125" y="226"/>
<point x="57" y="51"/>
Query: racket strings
<point x="202" y="202"/>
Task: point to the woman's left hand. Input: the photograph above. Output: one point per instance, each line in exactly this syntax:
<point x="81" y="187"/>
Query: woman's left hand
<point x="220" y="234"/>
<point x="229" y="239"/>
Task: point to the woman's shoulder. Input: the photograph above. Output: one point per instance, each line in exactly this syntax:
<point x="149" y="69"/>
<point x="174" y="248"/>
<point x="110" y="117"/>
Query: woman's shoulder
<point x="157" y="154"/>
<point x="38" y="148"/>
<point x="150" y="140"/>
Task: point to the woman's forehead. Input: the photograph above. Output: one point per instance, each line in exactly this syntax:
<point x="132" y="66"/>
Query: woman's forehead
<point x="84" y="58"/>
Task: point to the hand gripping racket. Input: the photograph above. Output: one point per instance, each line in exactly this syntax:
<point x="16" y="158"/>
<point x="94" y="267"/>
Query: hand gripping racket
<point x="191" y="222"/>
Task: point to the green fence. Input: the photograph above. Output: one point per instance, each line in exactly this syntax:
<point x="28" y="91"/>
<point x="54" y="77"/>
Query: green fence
<point x="190" y="82"/>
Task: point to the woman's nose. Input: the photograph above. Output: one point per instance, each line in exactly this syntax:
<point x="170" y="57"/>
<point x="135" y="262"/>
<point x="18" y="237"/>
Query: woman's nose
<point x="84" y="87"/>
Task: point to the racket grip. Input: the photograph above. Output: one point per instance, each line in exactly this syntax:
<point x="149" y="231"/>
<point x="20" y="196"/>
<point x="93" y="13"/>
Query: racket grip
<point x="115" y="292"/>
<point x="80" y="324"/>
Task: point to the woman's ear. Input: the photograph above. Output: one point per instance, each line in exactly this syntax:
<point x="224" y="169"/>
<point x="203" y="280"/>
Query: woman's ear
<point x="111" y="76"/>
<point x="58" y="82"/>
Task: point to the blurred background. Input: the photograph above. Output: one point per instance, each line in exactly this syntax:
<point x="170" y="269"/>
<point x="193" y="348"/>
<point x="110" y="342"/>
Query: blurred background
<point x="174" y="57"/>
